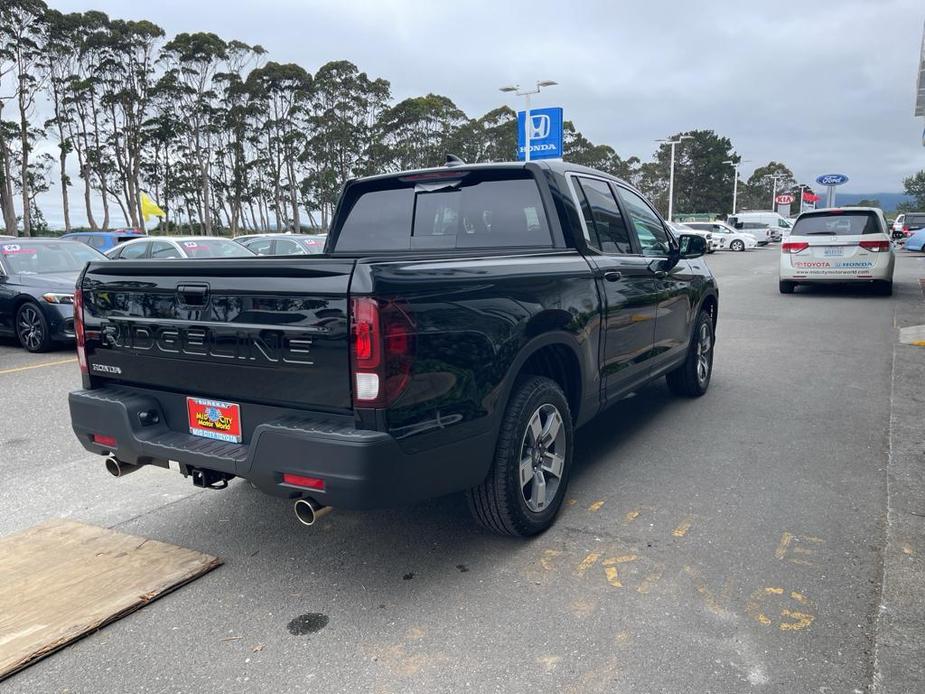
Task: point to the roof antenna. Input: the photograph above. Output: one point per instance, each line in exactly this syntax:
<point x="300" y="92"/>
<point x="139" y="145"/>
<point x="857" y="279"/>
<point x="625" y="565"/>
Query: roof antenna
<point x="453" y="160"/>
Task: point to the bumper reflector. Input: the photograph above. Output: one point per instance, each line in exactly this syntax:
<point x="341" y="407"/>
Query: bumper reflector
<point x="303" y="481"/>
<point x="102" y="440"/>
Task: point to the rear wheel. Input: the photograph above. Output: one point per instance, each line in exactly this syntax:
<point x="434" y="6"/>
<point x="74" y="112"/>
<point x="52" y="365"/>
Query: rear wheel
<point x="524" y="488"/>
<point x="737" y="245"/>
<point x="692" y="378"/>
<point x="32" y="328"/>
<point x="884" y="287"/>
<point x="787" y="287"/>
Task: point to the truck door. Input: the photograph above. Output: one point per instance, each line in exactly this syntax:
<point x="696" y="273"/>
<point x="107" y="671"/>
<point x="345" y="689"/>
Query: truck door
<point x="674" y="304"/>
<point x="626" y="285"/>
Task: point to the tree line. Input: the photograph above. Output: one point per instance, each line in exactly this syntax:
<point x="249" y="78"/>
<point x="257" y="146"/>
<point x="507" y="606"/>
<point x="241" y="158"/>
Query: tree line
<point x="226" y="140"/>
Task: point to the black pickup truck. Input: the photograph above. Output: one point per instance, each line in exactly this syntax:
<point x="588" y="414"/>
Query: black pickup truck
<point x="462" y="322"/>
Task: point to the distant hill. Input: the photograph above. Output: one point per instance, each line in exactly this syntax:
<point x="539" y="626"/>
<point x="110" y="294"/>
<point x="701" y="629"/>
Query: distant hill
<point x="888" y="201"/>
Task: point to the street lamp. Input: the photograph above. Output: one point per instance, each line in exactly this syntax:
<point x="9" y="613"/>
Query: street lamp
<point x="775" y="178"/>
<point x="735" y="179"/>
<point x="515" y="88"/>
<point x="673" y="144"/>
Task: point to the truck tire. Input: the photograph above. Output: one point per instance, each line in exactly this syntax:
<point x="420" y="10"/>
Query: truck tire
<point x="692" y="378"/>
<point x="526" y="484"/>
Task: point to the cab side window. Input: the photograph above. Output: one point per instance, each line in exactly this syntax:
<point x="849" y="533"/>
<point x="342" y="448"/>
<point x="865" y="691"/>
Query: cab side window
<point x="603" y="217"/>
<point x="649" y="230"/>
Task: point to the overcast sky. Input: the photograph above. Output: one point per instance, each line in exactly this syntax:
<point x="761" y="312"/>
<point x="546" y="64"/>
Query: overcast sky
<point x="824" y="88"/>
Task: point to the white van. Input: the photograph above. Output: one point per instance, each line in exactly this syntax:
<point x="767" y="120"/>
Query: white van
<point x="779" y="226"/>
<point x="838" y="246"/>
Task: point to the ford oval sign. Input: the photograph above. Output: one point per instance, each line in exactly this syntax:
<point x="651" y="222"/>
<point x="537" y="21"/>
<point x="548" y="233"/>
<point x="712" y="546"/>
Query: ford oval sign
<point x="832" y="179"/>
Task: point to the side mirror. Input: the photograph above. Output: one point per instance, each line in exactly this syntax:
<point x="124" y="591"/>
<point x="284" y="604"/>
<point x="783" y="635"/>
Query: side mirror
<point x="692" y="246"/>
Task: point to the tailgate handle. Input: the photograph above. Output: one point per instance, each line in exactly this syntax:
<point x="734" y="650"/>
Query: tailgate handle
<point x="193" y="294"/>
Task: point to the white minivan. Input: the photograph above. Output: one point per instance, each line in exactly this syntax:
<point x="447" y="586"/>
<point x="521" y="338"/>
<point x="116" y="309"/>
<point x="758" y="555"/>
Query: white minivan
<point x="780" y="226"/>
<point x="842" y="245"/>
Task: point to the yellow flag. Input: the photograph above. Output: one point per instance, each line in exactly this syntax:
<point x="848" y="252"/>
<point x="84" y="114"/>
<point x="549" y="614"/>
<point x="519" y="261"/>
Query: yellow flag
<point x="149" y="208"/>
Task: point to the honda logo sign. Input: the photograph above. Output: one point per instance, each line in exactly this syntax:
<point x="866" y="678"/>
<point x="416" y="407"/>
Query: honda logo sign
<point x="545" y="133"/>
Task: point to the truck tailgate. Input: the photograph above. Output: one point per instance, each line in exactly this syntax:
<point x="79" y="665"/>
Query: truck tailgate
<point x="268" y="330"/>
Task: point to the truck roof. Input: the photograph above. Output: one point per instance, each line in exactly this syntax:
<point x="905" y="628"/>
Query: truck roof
<point x="556" y="165"/>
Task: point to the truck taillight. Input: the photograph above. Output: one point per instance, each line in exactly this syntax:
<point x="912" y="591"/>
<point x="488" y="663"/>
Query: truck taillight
<point x="382" y="342"/>
<point x="80" y="334"/>
<point x="793" y="246"/>
<point x="875" y="246"/>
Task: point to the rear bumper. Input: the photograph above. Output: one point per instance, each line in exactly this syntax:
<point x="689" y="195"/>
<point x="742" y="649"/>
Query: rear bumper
<point x="869" y="268"/>
<point x="361" y="469"/>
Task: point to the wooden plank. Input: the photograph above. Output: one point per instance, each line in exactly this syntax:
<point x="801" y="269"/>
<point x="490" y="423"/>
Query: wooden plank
<point x="62" y="580"/>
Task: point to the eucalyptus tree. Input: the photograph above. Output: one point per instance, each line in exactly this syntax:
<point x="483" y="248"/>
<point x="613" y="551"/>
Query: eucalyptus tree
<point x="128" y="73"/>
<point x="418" y="132"/>
<point x="237" y="115"/>
<point x="283" y="93"/>
<point x="345" y="107"/>
<point x="192" y="62"/>
<point x="81" y="110"/>
<point x="21" y="31"/>
<point x="495" y="136"/>
<point x="59" y="64"/>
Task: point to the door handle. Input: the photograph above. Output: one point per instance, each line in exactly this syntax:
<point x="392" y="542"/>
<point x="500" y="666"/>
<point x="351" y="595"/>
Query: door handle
<point x="613" y="275"/>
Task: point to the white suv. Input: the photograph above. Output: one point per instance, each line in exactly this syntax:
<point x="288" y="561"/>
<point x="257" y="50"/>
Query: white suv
<point x="838" y="246"/>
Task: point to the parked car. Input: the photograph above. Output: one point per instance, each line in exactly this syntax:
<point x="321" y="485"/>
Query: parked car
<point x="679" y="228"/>
<point x="463" y="322"/>
<point x="37" y="279"/>
<point x="172" y="247"/>
<point x="838" y="246"/>
<point x="778" y="225"/>
<point x="104" y="240"/>
<point x="912" y="222"/>
<point x="916" y="241"/>
<point x="725" y="237"/>
<point x="284" y="244"/>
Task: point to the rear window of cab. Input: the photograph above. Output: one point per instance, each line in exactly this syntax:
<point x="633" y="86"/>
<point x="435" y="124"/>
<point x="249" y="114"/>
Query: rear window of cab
<point x="837" y="223"/>
<point x="465" y="209"/>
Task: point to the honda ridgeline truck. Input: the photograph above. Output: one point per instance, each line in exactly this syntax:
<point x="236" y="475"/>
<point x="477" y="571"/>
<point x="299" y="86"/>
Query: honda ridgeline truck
<point x="461" y="324"/>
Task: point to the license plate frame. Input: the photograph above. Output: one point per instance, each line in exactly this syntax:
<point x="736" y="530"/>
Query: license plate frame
<point x="833" y="252"/>
<point x="214" y="419"/>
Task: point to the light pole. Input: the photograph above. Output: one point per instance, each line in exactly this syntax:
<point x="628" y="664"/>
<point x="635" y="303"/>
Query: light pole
<point x="526" y="95"/>
<point x="673" y="144"/>
<point x="775" y="178"/>
<point x="735" y="180"/>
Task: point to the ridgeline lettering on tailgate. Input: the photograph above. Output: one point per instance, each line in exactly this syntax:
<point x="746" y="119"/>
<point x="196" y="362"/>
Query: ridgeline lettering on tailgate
<point x="269" y="346"/>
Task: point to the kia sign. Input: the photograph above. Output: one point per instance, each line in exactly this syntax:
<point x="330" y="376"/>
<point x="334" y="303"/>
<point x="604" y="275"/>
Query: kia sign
<point x="545" y="133"/>
<point x="832" y="179"/>
<point x="784" y="199"/>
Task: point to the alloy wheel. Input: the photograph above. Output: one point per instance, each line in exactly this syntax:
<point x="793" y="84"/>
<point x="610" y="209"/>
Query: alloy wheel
<point x="29" y="328"/>
<point x="542" y="458"/>
<point x="704" y="346"/>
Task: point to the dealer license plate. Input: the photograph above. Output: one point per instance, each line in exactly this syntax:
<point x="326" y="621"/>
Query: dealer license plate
<point x="214" y="419"/>
<point x="836" y="252"/>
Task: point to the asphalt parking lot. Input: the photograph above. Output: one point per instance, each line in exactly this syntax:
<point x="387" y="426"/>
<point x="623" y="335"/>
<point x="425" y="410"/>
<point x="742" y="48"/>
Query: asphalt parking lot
<point x="731" y="543"/>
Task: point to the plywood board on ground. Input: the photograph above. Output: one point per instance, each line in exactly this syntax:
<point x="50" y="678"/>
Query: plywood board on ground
<point x="62" y="580"/>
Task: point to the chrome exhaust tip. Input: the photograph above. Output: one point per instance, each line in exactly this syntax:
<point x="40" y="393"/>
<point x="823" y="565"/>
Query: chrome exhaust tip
<point x="117" y="468"/>
<point x="308" y="511"/>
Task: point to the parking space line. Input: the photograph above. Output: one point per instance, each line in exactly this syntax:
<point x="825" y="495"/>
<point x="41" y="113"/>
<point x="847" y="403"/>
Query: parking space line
<point x="37" y="366"/>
